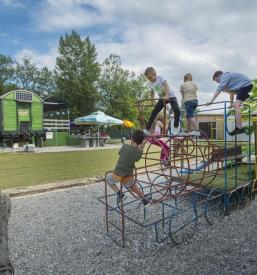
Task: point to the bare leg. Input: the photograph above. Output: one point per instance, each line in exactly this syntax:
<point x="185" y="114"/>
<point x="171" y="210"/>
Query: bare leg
<point x="192" y="123"/>
<point x="188" y="125"/>
<point x="238" y="114"/>
<point x="134" y="188"/>
<point x="112" y="182"/>
<point x="114" y="187"/>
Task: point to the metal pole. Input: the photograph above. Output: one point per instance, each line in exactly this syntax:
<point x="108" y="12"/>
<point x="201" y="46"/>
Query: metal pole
<point x="249" y="146"/>
<point x="106" y="207"/>
<point x="98" y="134"/>
<point x="122" y="219"/>
<point x="164" y="119"/>
<point x="225" y="152"/>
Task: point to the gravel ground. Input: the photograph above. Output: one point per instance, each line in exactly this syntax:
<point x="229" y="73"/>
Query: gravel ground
<point x="63" y="232"/>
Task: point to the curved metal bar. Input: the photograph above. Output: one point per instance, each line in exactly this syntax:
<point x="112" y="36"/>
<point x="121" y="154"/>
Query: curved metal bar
<point x="213" y="195"/>
<point x="231" y="194"/>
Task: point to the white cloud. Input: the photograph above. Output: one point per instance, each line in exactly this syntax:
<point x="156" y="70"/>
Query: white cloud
<point x="65" y="14"/>
<point x="41" y="60"/>
<point x="176" y="37"/>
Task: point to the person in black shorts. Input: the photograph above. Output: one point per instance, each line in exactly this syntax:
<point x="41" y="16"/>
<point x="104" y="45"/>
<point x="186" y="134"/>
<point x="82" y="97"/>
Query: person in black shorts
<point x="235" y="84"/>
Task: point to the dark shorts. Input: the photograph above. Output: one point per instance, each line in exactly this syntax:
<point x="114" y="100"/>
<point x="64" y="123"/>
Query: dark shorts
<point x="243" y="93"/>
<point x="190" y="107"/>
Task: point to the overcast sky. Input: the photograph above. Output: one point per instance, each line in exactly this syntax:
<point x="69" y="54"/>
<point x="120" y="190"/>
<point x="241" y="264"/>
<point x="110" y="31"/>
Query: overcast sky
<point x="174" y="36"/>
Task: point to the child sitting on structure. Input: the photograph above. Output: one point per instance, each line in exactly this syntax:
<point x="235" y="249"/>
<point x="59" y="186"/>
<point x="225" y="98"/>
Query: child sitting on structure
<point x="123" y="173"/>
<point x="188" y="91"/>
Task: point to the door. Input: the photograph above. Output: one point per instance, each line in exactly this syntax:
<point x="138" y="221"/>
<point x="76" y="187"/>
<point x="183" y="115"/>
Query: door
<point x="209" y="128"/>
<point x="23" y="114"/>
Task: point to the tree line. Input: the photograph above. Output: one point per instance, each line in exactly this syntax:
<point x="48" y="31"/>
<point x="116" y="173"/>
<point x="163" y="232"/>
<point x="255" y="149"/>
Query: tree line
<point x="78" y="78"/>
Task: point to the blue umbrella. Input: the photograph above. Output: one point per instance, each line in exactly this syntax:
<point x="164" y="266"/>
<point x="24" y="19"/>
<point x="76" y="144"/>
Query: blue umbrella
<point x="97" y="118"/>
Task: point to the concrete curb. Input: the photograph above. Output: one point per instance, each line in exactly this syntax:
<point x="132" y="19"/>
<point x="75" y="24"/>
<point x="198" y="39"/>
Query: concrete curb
<point x="30" y="190"/>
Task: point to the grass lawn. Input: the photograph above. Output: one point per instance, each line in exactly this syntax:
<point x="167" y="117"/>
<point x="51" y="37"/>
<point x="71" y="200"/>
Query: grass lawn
<point x="24" y="169"/>
<point x="242" y="177"/>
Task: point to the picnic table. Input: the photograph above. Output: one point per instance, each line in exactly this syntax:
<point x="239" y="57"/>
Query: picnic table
<point x="89" y="141"/>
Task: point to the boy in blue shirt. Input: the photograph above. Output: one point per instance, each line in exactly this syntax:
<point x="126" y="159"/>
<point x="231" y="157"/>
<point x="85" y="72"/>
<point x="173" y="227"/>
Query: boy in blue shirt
<point x="235" y="84"/>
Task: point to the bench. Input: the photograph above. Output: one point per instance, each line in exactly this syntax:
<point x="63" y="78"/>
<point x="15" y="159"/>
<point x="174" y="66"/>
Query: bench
<point x="234" y="153"/>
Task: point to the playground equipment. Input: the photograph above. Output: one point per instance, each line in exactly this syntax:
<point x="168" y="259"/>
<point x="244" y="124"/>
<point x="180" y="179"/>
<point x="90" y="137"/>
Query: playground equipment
<point x="254" y="186"/>
<point x="188" y="178"/>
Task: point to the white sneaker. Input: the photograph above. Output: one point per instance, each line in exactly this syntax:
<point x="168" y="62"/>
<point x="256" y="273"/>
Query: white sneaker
<point x="146" y="132"/>
<point x="175" y="131"/>
<point x="183" y="133"/>
<point x="195" y="133"/>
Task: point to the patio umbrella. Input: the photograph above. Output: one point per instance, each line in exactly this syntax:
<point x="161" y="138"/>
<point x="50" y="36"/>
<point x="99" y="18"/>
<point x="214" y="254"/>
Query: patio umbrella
<point x="98" y="118"/>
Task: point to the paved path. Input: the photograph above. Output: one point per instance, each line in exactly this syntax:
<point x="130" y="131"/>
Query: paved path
<point x="59" y="148"/>
<point x="62" y="232"/>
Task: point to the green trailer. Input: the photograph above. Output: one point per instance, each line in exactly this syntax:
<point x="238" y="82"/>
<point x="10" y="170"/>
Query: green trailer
<point x="21" y="116"/>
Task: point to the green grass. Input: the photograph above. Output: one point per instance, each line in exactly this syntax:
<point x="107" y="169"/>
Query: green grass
<point x="242" y="174"/>
<point x="25" y="169"/>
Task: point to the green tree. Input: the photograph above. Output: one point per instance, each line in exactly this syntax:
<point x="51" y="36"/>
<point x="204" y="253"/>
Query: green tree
<point x="252" y="101"/>
<point x="6" y="73"/>
<point x="77" y="72"/>
<point x="26" y="74"/>
<point x="45" y="83"/>
<point x="29" y="77"/>
<point x="119" y="90"/>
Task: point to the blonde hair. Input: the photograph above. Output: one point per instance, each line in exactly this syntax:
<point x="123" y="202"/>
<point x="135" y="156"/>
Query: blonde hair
<point x="188" y="77"/>
<point x="149" y="70"/>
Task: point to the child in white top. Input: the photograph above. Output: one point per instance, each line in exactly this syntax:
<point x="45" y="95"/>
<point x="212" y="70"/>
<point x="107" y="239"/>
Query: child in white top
<point x="160" y="86"/>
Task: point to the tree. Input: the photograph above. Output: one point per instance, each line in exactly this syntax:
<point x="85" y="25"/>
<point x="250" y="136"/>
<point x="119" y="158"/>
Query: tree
<point x="77" y="72"/>
<point x="252" y="101"/>
<point x="25" y="74"/>
<point x="6" y="72"/>
<point x="119" y="89"/>
<point x="29" y="77"/>
<point x="45" y="83"/>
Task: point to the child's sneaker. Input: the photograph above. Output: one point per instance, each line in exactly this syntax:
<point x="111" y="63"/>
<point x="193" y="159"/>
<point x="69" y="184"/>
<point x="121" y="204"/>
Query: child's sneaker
<point x="183" y="133"/>
<point x="165" y="162"/>
<point x="175" y="131"/>
<point x="146" y="201"/>
<point x="237" y="131"/>
<point x="195" y="133"/>
<point x="121" y="196"/>
<point x="146" y="132"/>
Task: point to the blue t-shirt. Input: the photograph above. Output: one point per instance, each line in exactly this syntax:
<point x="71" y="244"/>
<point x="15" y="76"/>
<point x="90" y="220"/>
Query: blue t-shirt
<point x="233" y="82"/>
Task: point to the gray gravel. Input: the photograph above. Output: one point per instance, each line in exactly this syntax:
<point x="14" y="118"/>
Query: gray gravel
<point x="63" y="232"/>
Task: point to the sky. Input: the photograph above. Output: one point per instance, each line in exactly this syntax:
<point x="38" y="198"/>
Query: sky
<point x="174" y="36"/>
